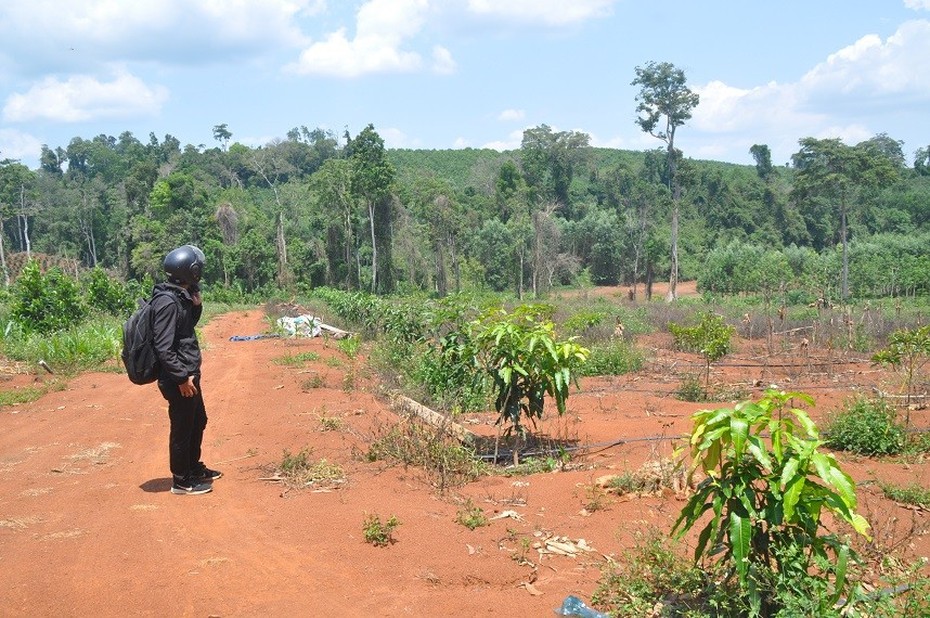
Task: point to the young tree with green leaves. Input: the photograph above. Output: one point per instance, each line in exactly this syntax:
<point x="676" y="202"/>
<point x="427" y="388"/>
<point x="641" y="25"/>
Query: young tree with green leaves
<point x="908" y="350"/>
<point x="765" y="490"/>
<point x="664" y="104"/>
<point x="526" y="362"/>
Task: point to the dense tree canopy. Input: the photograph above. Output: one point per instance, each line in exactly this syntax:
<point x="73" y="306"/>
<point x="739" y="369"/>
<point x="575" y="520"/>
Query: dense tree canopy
<point x="312" y="209"/>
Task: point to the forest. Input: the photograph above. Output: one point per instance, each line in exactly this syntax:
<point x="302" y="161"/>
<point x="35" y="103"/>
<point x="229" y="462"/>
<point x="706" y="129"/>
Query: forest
<point x="316" y="209"/>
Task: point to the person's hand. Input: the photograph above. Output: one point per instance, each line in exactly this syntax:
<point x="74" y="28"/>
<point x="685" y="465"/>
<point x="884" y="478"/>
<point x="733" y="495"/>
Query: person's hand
<point x="195" y="296"/>
<point x="187" y="388"/>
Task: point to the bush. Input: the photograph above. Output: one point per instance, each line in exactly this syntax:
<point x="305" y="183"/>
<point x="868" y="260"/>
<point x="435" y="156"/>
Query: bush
<point x="768" y="498"/>
<point x="471" y="516"/>
<point x="612" y="359"/>
<point x="655" y="567"/>
<point x="108" y="295"/>
<point x="691" y="389"/>
<point x="446" y="462"/>
<point x="866" y="427"/>
<point x="47" y="302"/>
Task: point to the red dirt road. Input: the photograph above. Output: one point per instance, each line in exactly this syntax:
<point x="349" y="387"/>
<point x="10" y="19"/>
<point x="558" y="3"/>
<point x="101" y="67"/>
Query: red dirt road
<point x="88" y="526"/>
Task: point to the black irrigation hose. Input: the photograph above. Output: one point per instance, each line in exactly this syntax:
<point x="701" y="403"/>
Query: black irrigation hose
<point x="589" y="449"/>
<point x="598" y="447"/>
<point x="672" y="393"/>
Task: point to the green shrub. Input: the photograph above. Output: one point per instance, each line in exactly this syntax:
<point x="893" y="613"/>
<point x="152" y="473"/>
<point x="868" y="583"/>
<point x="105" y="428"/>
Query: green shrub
<point x="450" y="374"/>
<point x="578" y="323"/>
<point x="766" y="497"/>
<point x="691" y="389"/>
<point x="349" y="346"/>
<point x="612" y="359"/>
<point x="46" y="302"/>
<point x="866" y="427"/>
<point x="378" y="533"/>
<point x="108" y="295"/>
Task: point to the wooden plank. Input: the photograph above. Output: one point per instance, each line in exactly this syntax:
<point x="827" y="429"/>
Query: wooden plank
<point x="440" y="421"/>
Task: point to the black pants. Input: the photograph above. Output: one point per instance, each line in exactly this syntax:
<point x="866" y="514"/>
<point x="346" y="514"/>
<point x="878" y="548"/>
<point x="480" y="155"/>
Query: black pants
<point x="188" y="420"/>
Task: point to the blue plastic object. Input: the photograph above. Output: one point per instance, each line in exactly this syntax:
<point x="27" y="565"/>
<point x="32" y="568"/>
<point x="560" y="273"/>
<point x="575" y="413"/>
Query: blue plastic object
<point x="573" y="606"/>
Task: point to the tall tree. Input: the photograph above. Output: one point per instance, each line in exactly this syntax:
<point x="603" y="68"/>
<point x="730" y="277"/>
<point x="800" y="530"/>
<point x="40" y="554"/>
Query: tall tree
<point x="269" y="163"/>
<point x="372" y="180"/>
<point x="831" y="170"/>
<point x="549" y="161"/>
<point x="331" y="186"/>
<point x="14" y="180"/>
<point x="922" y="161"/>
<point x="762" y="155"/>
<point x="222" y="134"/>
<point x="664" y="104"/>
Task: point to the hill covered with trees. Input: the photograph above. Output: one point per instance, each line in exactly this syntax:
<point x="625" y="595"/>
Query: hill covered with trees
<point x="314" y="209"/>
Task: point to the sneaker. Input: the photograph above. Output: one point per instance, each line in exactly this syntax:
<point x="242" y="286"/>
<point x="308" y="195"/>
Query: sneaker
<point x="190" y="487"/>
<point x="202" y="473"/>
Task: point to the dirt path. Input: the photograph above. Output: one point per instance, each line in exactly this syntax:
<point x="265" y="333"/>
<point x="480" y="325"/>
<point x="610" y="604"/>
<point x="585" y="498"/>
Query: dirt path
<point x="88" y="526"/>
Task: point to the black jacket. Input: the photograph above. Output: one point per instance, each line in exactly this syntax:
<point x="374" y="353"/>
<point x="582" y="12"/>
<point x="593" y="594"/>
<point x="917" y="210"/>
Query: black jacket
<point x="174" y="316"/>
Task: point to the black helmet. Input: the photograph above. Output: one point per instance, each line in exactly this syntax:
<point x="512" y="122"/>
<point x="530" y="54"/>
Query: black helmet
<point x="184" y="264"/>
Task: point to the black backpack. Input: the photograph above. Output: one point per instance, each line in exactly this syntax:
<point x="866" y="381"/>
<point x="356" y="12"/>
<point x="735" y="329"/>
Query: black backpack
<point x="138" y="354"/>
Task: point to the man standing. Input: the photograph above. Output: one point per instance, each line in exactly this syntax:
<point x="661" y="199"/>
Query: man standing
<point x="176" y="307"/>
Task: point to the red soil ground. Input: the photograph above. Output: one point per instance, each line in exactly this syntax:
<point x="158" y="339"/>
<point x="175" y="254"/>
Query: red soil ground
<point x="88" y="525"/>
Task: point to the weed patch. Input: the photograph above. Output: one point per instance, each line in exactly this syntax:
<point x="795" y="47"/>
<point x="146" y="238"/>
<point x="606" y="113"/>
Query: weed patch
<point x="471" y="516"/>
<point x="652" y="477"/>
<point x="378" y="533"/>
<point x="913" y="494"/>
<point x="446" y="462"/>
<point x="296" y="360"/>
<point x="315" y="381"/>
<point x="298" y="470"/>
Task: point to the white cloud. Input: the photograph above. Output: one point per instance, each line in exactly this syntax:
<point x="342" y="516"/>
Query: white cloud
<point x="395" y="138"/>
<point x="382" y="27"/>
<point x="513" y="141"/>
<point x="548" y="12"/>
<point x="725" y="109"/>
<point x="83" y="97"/>
<point x="461" y="142"/>
<point x="831" y="100"/>
<point x="42" y="35"/>
<point x="509" y="115"/>
<point x="873" y="67"/>
<point x="640" y="141"/>
<point x="443" y="63"/>
<point x="18" y="145"/>
<point x="917" y="5"/>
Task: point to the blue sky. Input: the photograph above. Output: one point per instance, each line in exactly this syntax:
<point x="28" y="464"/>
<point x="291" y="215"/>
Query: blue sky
<point x="462" y="73"/>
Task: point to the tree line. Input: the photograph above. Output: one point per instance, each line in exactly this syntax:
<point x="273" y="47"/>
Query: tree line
<point x="316" y="209"/>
